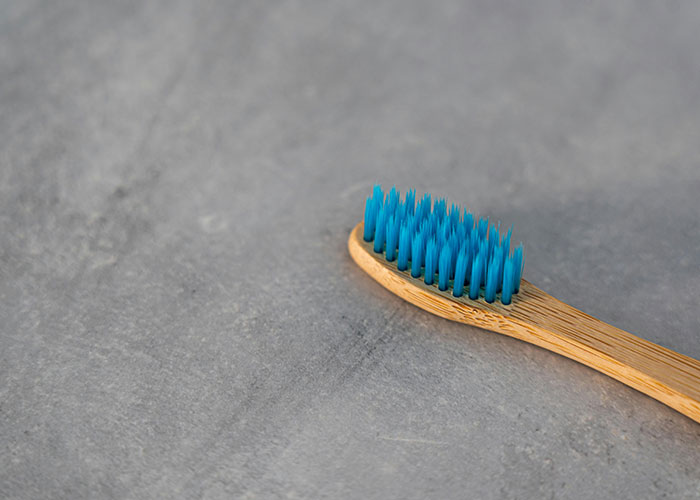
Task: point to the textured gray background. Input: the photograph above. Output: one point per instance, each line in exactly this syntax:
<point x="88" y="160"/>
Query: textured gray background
<point x="179" y="316"/>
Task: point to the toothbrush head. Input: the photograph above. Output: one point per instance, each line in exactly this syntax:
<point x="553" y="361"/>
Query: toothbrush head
<point x="444" y="244"/>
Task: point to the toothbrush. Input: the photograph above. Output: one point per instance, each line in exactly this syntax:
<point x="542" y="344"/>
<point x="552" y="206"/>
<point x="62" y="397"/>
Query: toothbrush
<point x="443" y="260"/>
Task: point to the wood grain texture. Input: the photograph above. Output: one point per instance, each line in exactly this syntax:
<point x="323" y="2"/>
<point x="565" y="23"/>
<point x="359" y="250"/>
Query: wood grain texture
<point x="536" y="317"/>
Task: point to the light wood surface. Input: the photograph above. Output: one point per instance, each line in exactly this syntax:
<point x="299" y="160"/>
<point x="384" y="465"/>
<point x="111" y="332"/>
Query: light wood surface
<point x="536" y="317"/>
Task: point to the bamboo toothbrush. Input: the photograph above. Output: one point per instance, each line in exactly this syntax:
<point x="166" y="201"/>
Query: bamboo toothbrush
<point x="444" y="261"/>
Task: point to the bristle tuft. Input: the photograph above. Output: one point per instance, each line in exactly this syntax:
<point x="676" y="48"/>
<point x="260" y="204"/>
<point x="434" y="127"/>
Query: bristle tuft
<point x="444" y="267"/>
<point x="404" y="246"/>
<point x="431" y="257"/>
<point x="417" y="255"/>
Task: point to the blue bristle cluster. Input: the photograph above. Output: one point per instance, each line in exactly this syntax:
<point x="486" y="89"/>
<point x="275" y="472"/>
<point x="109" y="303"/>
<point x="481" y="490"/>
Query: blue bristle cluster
<point x="444" y="245"/>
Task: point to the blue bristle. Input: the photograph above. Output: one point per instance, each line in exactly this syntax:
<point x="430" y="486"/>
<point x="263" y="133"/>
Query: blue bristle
<point x="409" y="223"/>
<point x="411" y="201"/>
<point x="431" y="257"/>
<point x="370" y="219"/>
<point x="466" y="249"/>
<point x="483" y="229"/>
<point x="474" y="241"/>
<point x="404" y="247"/>
<point x="517" y="267"/>
<point x="439" y="238"/>
<point x="377" y="193"/>
<point x="444" y="267"/>
<point x="393" y="200"/>
<point x="475" y="281"/>
<point x="413" y="229"/>
<point x="507" y="281"/>
<point x="380" y="230"/>
<point x="371" y="209"/>
<point x="493" y="238"/>
<point x="484" y="252"/>
<point x="417" y="255"/>
<point x="498" y="255"/>
<point x="454" y="215"/>
<point x="505" y="244"/>
<point x="461" y="233"/>
<point x="425" y="207"/>
<point x="423" y="230"/>
<point x="402" y="211"/>
<point x="454" y="250"/>
<point x="391" y="238"/>
<point x="460" y="274"/>
<point x="468" y="222"/>
<point x="439" y="208"/>
<point x="443" y="228"/>
<point x="494" y="276"/>
<point x="490" y="288"/>
<point x="420" y="209"/>
<point x="432" y="223"/>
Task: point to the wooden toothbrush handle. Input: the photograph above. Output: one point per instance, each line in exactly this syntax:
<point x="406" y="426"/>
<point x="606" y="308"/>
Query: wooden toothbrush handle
<point x="665" y="375"/>
<point x="538" y="318"/>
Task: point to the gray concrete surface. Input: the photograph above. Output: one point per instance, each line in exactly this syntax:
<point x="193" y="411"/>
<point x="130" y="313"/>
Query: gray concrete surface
<point x="179" y="317"/>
